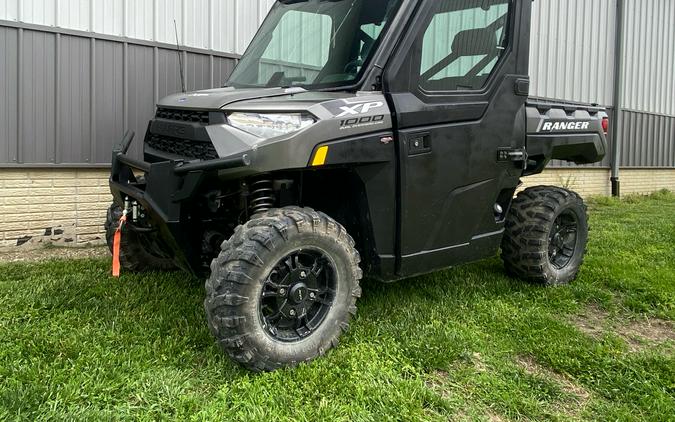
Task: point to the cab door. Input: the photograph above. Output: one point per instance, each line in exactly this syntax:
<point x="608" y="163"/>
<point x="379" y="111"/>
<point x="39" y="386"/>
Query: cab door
<point x="458" y="84"/>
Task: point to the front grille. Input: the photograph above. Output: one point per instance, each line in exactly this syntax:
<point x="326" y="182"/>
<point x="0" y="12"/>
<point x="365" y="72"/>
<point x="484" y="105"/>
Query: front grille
<point x="195" y="116"/>
<point x="186" y="148"/>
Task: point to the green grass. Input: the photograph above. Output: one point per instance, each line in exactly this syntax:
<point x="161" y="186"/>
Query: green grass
<point x="468" y="343"/>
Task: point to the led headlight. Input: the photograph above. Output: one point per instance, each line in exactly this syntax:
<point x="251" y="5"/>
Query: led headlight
<point x="269" y="125"/>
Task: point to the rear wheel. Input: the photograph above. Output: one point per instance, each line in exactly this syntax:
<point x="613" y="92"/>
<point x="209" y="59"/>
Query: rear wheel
<point x="546" y="236"/>
<point x="283" y="289"/>
<point x="136" y="249"/>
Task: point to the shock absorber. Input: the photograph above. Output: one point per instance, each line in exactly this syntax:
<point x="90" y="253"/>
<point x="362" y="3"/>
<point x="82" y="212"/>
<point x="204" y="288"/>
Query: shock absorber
<point x="261" y="197"/>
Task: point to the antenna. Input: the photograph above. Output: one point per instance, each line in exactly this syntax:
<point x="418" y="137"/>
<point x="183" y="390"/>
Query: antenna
<point x="180" y="58"/>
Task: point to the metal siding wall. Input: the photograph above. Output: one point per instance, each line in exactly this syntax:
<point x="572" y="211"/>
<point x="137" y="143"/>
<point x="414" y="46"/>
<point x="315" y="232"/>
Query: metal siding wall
<point x="109" y="98"/>
<point x="648" y="141"/>
<point x="75" y="95"/>
<point x="166" y="13"/>
<point x="8" y="94"/>
<point x="74" y="14"/>
<point x="221" y="25"/>
<point x="572" y="50"/>
<point x="40" y="12"/>
<point x="73" y="108"/>
<point x="140" y="21"/>
<point x="9" y="10"/>
<point x="649" y="84"/>
<point x="37" y="94"/>
<point x="247" y="16"/>
<point x="222" y="68"/>
<point x="649" y="62"/>
<point x="108" y="16"/>
<point x="198" y="67"/>
<point x="197" y="28"/>
<point x="141" y="102"/>
<point x="571" y="58"/>
<point x="169" y="77"/>
<point x="224" y="26"/>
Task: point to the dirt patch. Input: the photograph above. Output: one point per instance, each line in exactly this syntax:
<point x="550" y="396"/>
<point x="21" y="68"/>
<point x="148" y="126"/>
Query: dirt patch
<point x="580" y="396"/>
<point x="645" y="333"/>
<point x="44" y="254"/>
<point x="493" y="417"/>
<point x="593" y="322"/>
<point x="596" y="322"/>
<point x="476" y="359"/>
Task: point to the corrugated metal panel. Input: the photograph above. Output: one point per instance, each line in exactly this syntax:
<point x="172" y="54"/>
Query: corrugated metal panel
<point x="9" y="10"/>
<point x="222" y="68"/>
<point x="572" y="50"/>
<point x="8" y="95"/>
<point x="196" y="25"/>
<point x="235" y="22"/>
<point x="166" y="13"/>
<point x="221" y="25"/>
<point x="37" y="93"/>
<point x="224" y="26"/>
<point x="108" y="16"/>
<point x="168" y="73"/>
<point x="648" y="141"/>
<point x="649" y="62"/>
<point x="76" y="95"/>
<point x="39" y="12"/>
<point x="247" y="16"/>
<point x="198" y="66"/>
<point x="571" y="59"/>
<point x="140" y="19"/>
<point x="109" y="98"/>
<point x="73" y="105"/>
<point x="141" y="102"/>
<point x="74" y="14"/>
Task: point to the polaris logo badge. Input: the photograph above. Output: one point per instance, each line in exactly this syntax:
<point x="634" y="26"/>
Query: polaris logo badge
<point x="561" y="126"/>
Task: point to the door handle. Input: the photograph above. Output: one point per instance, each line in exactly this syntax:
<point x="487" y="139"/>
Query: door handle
<point x="515" y="155"/>
<point x="419" y="144"/>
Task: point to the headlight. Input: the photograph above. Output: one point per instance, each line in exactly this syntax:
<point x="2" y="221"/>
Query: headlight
<point x="270" y="125"/>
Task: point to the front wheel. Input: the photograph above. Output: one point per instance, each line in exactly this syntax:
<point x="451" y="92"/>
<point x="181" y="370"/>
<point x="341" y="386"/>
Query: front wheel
<point x="546" y="236"/>
<point x="283" y="289"/>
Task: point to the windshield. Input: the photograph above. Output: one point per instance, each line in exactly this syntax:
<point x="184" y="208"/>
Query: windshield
<point x="314" y="43"/>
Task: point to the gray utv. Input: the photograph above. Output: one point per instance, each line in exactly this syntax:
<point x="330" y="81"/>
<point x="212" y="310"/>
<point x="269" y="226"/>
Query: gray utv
<point x="377" y="137"/>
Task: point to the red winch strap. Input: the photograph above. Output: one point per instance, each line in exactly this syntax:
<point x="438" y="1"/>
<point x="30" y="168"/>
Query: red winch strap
<point x="117" y="239"/>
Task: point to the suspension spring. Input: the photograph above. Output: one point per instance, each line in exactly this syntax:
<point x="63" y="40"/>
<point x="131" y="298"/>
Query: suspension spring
<point x="262" y="197"/>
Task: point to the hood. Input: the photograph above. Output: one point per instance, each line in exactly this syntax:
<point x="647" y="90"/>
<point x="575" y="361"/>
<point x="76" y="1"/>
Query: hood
<point x="214" y="99"/>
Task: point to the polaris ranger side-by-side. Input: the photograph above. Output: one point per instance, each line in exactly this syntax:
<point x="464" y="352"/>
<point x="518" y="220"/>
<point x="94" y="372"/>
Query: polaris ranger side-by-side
<point x="385" y="137"/>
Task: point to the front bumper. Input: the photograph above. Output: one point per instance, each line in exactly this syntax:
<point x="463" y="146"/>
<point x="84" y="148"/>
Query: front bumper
<point x="164" y="192"/>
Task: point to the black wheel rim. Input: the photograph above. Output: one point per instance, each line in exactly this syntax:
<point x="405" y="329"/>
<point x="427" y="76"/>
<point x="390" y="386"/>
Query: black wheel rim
<point x="563" y="239"/>
<point x="297" y="295"/>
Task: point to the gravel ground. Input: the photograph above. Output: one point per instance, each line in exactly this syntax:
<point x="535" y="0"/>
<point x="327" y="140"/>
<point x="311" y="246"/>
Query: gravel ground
<point x="48" y="253"/>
